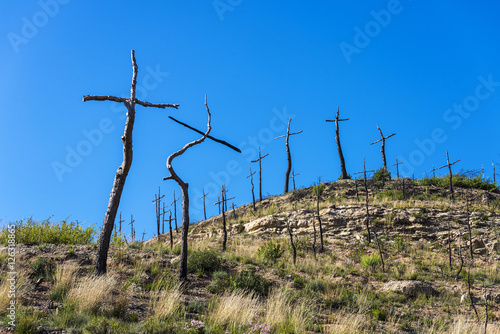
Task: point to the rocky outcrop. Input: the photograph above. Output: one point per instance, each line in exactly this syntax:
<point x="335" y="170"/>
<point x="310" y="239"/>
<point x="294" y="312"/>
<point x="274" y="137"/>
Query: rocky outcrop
<point x="410" y="288"/>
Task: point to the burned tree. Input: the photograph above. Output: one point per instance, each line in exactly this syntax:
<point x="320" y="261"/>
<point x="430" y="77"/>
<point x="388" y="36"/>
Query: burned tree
<point x="170" y="227"/>
<point x="174" y="203"/>
<point x="260" y="172"/>
<point x="157" y="202"/>
<point x="397" y="167"/>
<point x="251" y="182"/>
<point x="132" y="230"/>
<point x="318" y="191"/>
<point x="344" y="175"/>
<point x="185" y="194"/>
<point x="293" y="178"/>
<point x="366" y="192"/>
<point x="223" y="204"/>
<point x="204" y="207"/>
<point x="288" y="155"/>
<point x="292" y="243"/>
<point x="120" y="221"/>
<point x="122" y="172"/>
<point x="382" y="139"/>
<point x="449" y="168"/>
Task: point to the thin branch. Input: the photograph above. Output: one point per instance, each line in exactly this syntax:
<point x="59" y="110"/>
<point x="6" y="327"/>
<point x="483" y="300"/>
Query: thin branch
<point x="291" y="134"/>
<point x="104" y="98"/>
<point x="156" y="105"/>
<point x="209" y="137"/>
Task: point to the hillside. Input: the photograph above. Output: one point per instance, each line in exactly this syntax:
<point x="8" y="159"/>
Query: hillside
<point x="254" y="287"/>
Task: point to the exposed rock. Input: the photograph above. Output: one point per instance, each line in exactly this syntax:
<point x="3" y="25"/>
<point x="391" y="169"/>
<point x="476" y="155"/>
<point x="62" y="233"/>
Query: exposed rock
<point x="410" y="288"/>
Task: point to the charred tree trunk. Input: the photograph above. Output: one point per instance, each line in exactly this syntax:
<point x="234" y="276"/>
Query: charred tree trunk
<point x="288" y="157"/>
<point x="321" y="249"/>
<point x="224" y="228"/>
<point x="171" y="234"/>
<point x="345" y="176"/>
<point x="185" y="199"/>
<point x="294" y="249"/>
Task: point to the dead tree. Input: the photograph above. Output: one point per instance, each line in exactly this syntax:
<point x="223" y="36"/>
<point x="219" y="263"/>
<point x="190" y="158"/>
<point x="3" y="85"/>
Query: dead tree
<point x="163" y="219"/>
<point x="382" y="139"/>
<point x="204" y="207"/>
<point x="260" y="173"/>
<point x="157" y="202"/>
<point x="293" y="178"/>
<point x="132" y="230"/>
<point x="494" y="174"/>
<point x="397" y="167"/>
<point x="251" y="182"/>
<point x="233" y="210"/>
<point x="366" y="192"/>
<point x="449" y="168"/>
<point x="170" y="227"/>
<point x="433" y="171"/>
<point x="122" y="172"/>
<point x="224" y="229"/>
<point x="344" y="175"/>
<point x="120" y="224"/>
<point x="185" y="194"/>
<point x="288" y="155"/>
<point x="174" y="203"/>
<point x="318" y="191"/>
<point x="294" y="249"/>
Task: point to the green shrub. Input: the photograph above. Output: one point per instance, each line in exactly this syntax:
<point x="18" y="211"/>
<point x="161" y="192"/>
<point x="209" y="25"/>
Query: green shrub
<point x="299" y="282"/>
<point x="379" y="314"/>
<point x="204" y="261"/>
<point x="458" y="180"/>
<point x="250" y="281"/>
<point x="370" y="262"/>
<point x="382" y="175"/>
<point x="44" y="268"/>
<point x="31" y="232"/>
<point x="316" y="286"/>
<point x="220" y="282"/>
<point x="195" y="307"/>
<point x="270" y="251"/>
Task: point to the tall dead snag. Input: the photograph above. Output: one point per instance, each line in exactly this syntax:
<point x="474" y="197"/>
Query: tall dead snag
<point x="494" y="173"/>
<point x="132" y="230"/>
<point x="163" y="219"/>
<point x="251" y="182"/>
<point x="174" y="203"/>
<point x="293" y="178"/>
<point x="382" y="139"/>
<point x="185" y="195"/>
<point x="449" y="168"/>
<point x="204" y="207"/>
<point x="397" y="167"/>
<point x="288" y="155"/>
<point x="223" y="204"/>
<point x="344" y="175"/>
<point x="170" y="227"/>
<point x="366" y="192"/>
<point x="157" y="202"/>
<point x="318" y="191"/>
<point x="260" y="172"/>
<point x="122" y="172"/>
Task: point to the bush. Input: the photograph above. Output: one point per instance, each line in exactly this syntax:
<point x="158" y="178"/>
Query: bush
<point x="250" y="281"/>
<point x="44" y="268"/>
<point x="370" y="262"/>
<point x="459" y="180"/>
<point x="270" y="251"/>
<point x="31" y="232"/>
<point x="219" y="283"/>
<point x="204" y="261"/>
<point x="382" y="175"/>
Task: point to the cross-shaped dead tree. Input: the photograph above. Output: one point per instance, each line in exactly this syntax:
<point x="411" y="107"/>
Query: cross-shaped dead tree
<point x="251" y="182"/>
<point x="163" y="218"/>
<point x="223" y="203"/>
<point x="293" y="178"/>
<point x="185" y="195"/>
<point x="122" y="172"/>
<point x="143" y="234"/>
<point x="132" y="230"/>
<point x="344" y="175"/>
<point x="232" y="209"/>
<point x="397" y="167"/>
<point x="382" y="139"/>
<point x="366" y="192"/>
<point x="170" y="227"/>
<point x="260" y="172"/>
<point x="174" y="203"/>
<point x="288" y="155"/>
<point x="204" y="207"/>
<point x="158" y="211"/>
<point x="449" y="168"/>
<point x="120" y="221"/>
<point x="433" y="171"/>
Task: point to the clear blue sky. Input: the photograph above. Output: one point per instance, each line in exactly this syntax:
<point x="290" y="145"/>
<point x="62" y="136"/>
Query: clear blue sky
<point x="427" y="71"/>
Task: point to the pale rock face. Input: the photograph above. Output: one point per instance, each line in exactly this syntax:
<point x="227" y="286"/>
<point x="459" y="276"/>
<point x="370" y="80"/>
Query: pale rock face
<point x="410" y="288"/>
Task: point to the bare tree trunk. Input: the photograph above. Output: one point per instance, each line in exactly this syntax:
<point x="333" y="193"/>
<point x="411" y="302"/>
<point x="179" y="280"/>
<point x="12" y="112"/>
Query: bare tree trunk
<point x="185" y="198"/>
<point x="288" y="157"/>
<point x="171" y="235"/>
<point x="367" y="213"/>
<point x="314" y="239"/>
<point x="224" y="229"/>
<point x="339" y="148"/>
<point x="118" y="183"/>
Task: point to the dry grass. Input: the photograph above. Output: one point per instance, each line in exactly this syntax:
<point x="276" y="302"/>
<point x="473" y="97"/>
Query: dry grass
<point x="348" y="323"/>
<point x="92" y="293"/>
<point x="65" y="275"/>
<point x="21" y="284"/>
<point x="166" y="303"/>
<point x="462" y="325"/>
<point x="285" y="316"/>
<point x="235" y="309"/>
